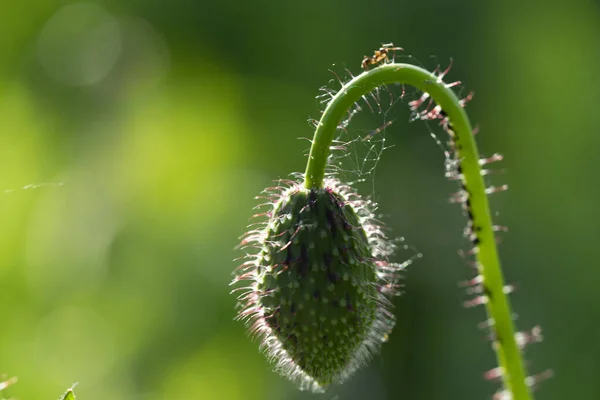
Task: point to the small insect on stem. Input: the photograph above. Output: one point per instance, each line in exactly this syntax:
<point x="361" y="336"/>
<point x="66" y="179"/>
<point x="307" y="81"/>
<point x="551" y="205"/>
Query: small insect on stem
<point x="380" y="55"/>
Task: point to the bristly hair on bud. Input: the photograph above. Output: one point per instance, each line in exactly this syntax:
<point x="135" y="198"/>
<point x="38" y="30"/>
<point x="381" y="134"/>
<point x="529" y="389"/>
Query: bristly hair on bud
<point x="318" y="282"/>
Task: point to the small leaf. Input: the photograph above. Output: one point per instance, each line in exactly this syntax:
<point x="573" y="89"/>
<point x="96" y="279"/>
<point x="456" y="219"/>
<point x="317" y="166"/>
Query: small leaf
<point x="69" y="395"/>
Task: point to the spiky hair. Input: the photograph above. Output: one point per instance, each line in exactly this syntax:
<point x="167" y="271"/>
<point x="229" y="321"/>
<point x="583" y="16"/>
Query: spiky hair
<point x="318" y="282"/>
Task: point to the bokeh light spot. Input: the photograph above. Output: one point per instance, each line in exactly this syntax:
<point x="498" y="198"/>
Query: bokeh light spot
<point x="80" y="44"/>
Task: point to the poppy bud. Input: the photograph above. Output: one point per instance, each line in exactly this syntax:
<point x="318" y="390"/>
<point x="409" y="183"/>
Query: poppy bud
<point x="319" y="284"/>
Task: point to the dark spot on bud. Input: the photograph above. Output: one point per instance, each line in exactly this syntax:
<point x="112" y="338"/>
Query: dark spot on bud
<point x="293" y="338"/>
<point x="301" y="361"/>
<point x="331" y="222"/>
<point x="348" y="303"/>
<point x="303" y="265"/>
<point x="327" y="260"/>
<point x="332" y="277"/>
<point x="316" y="294"/>
<point x="273" y="319"/>
<point x="346" y="225"/>
<point x="288" y="257"/>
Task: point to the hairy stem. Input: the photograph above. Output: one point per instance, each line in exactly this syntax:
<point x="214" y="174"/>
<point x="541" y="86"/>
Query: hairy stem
<point x="497" y="305"/>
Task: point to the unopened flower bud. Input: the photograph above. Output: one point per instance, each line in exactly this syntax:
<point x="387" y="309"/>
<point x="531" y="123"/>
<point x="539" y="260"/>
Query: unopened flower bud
<point x="319" y="284"/>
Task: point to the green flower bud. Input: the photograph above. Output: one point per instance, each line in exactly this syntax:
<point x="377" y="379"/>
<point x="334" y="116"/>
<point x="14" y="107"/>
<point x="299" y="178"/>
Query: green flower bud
<point x="319" y="283"/>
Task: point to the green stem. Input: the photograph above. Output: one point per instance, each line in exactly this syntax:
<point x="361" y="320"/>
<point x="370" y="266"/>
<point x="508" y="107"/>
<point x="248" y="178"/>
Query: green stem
<point x="497" y="306"/>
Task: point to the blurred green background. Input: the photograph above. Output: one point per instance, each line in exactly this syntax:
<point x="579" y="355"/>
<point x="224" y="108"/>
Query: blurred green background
<point x="147" y="128"/>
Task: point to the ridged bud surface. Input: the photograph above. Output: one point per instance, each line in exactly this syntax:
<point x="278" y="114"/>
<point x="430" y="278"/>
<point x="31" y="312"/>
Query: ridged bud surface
<point x="319" y="284"/>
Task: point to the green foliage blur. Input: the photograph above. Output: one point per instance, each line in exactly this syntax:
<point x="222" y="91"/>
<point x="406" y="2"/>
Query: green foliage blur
<point x="135" y="135"/>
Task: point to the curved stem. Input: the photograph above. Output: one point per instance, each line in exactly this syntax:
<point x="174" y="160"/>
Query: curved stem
<point x="497" y="304"/>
